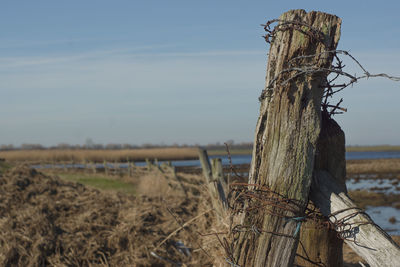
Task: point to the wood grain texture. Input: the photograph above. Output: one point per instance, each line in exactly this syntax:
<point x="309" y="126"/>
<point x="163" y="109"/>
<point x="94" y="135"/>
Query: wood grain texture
<point x="213" y="181"/>
<point x="286" y="138"/>
<point x="320" y="245"/>
<point x="365" y="238"/>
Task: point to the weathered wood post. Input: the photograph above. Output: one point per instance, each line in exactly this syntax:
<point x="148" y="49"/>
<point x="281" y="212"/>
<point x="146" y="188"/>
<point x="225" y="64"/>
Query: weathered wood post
<point x="128" y="167"/>
<point x="148" y="164"/>
<point x="173" y="171"/>
<point x="84" y="166"/>
<point x="366" y="238"/>
<point x="218" y="173"/>
<point x="105" y="167"/>
<point x="157" y="165"/>
<point x="286" y="139"/>
<point x="320" y="245"/>
<point x="93" y="166"/>
<point x="214" y="185"/>
<point x="132" y="168"/>
<point x="116" y="167"/>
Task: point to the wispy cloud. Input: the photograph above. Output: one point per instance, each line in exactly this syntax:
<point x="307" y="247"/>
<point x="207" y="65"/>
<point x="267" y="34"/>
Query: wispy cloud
<point x="150" y="85"/>
<point x="115" y="53"/>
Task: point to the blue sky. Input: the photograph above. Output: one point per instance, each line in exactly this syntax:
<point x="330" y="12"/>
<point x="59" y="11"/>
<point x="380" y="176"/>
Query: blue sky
<point x="173" y="71"/>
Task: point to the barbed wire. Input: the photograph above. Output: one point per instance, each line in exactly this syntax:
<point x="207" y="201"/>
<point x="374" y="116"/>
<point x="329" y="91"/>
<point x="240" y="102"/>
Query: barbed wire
<point x="250" y="199"/>
<point x="260" y="197"/>
<point x="232" y="169"/>
<point x="296" y="67"/>
<point x="285" y="25"/>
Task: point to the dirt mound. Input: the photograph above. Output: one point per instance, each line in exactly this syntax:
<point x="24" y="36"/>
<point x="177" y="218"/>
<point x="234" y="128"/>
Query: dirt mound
<point x="48" y="221"/>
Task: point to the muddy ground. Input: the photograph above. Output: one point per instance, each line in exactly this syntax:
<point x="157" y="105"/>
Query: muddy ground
<point x="47" y="221"/>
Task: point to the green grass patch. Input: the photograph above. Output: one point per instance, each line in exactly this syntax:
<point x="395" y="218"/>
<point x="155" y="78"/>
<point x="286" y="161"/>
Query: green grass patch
<point x="4" y="166"/>
<point x="222" y="152"/>
<point x="372" y="148"/>
<point x="100" y="182"/>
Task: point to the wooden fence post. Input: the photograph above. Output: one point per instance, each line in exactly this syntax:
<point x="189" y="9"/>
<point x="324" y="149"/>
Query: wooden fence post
<point x="218" y="173"/>
<point x="94" y="169"/>
<point x="132" y="168"/>
<point x="105" y="167"/>
<point x="116" y="167"/>
<point x="364" y="237"/>
<point x="84" y="166"/>
<point x="215" y="188"/>
<point x="128" y="167"/>
<point x="285" y="140"/>
<point x="149" y="164"/>
<point x="320" y="245"/>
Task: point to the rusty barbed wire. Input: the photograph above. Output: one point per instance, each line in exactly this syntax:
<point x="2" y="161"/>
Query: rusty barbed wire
<point x="297" y="68"/>
<point x="251" y="198"/>
<point x="262" y="197"/>
<point x="285" y="25"/>
<point x="232" y="169"/>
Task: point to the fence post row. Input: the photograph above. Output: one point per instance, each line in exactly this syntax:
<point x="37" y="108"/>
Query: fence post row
<point x="215" y="184"/>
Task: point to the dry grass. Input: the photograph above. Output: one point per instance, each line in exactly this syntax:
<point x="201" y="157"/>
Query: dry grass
<point x="372" y="148"/>
<point x="47" y="221"/>
<point x="373" y="166"/>
<point x="364" y="198"/>
<point x="59" y="155"/>
<point x="50" y="221"/>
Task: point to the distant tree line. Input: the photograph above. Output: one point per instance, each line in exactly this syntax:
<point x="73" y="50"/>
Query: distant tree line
<point x="95" y="146"/>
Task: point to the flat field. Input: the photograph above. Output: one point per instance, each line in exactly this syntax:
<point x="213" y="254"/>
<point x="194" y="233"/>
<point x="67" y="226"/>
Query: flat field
<point x="65" y="217"/>
<point x="74" y="218"/>
<point x="123" y="155"/>
<point x="80" y="155"/>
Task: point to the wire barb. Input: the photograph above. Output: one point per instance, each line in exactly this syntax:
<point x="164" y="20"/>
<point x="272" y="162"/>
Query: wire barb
<point x="309" y="65"/>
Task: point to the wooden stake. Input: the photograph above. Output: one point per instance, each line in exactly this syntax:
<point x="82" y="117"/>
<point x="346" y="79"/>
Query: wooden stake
<point x="366" y="238"/>
<point x="319" y="243"/>
<point x="214" y="186"/>
<point x="286" y="138"/>
<point x="94" y="167"/>
<point x="218" y="174"/>
<point x="105" y="167"/>
<point x="149" y="164"/>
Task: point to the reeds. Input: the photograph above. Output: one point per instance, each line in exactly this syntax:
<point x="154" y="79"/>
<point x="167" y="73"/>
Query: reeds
<point x="372" y="148"/>
<point x="123" y="155"/>
<point x="373" y="166"/>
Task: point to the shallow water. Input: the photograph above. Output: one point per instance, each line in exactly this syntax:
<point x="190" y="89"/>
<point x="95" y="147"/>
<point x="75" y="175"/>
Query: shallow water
<point x="236" y="159"/>
<point x="381" y="215"/>
<point x="387" y="186"/>
<point x="246" y="159"/>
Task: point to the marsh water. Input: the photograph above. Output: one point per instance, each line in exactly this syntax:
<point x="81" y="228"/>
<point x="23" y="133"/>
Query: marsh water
<point x="381" y="215"/>
<point x="246" y="159"/>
